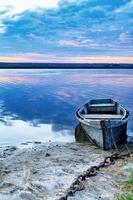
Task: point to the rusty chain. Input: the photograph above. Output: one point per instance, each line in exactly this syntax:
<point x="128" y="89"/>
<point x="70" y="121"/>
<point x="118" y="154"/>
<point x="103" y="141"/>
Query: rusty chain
<point x="78" y="184"/>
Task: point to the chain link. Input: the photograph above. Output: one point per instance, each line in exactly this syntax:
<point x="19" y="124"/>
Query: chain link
<point x="79" y="183"/>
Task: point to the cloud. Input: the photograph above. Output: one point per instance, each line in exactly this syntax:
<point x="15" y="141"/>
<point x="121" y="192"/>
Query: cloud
<point x="29" y="57"/>
<point x="65" y="27"/>
<point x="101" y="59"/>
<point x="47" y="58"/>
<point x="17" y="7"/>
<point x="2" y="28"/>
<point x="36" y="55"/>
<point x="14" y="9"/>
<point x="126" y="8"/>
<point x="72" y="43"/>
<point x="87" y="43"/>
<point x="124" y="37"/>
<point x="13" y="59"/>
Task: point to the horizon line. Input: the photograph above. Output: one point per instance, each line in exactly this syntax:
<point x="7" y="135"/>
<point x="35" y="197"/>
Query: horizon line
<point x="51" y="65"/>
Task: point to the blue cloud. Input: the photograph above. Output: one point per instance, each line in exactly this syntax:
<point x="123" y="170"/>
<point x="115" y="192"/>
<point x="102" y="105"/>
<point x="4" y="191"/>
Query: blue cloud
<point x="85" y="28"/>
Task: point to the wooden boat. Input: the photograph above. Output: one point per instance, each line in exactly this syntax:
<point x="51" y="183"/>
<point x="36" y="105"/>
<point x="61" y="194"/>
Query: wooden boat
<point x="104" y="122"/>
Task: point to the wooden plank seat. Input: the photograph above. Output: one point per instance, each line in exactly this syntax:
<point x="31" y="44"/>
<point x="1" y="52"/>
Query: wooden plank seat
<point x="107" y="107"/>
<point x="101" y="116"/>
<point x="102" y="105"/>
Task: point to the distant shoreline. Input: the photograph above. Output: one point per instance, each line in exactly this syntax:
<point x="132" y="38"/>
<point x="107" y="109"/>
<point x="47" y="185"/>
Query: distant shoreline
<point x="4" y="65"/>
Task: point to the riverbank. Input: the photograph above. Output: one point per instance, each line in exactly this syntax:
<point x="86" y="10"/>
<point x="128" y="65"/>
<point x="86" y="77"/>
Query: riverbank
<point x="44" y="172"/>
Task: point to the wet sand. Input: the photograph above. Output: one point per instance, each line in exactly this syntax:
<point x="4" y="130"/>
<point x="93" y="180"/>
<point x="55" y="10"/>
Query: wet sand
<point x="44" y="172"/>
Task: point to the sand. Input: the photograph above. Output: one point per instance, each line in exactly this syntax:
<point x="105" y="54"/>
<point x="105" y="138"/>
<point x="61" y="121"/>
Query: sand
<point x="44" y="171"/>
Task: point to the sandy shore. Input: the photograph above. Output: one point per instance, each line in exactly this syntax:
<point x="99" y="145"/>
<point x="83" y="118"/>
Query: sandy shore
<point x="44" y="172"/>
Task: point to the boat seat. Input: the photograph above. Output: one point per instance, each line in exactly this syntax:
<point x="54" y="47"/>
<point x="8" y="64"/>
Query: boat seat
<point x="107" y="107"/>
<point x="101" y="116"/>
<point x="102" y="105"/>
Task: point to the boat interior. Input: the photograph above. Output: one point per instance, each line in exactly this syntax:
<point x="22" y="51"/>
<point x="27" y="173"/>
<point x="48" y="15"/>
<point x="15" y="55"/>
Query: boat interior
<point x="102" y="108"/>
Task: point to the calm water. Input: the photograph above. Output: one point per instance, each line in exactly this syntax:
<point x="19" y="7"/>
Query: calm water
<point x="40" y="105"/>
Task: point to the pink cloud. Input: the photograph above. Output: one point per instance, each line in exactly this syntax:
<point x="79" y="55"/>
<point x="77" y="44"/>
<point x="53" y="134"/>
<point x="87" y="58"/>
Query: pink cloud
<point x="14" y="59"/>
<point x="72" y="43"/>
<point x="124" y="37"/>
<point x="100" y="59"/>
<point x="43" y="58"/>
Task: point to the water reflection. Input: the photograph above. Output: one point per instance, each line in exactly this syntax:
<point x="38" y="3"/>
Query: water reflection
<point x="41" y="105"/>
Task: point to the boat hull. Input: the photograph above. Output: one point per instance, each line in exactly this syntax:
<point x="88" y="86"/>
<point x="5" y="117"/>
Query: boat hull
<point x="106" y="134"/>
<point x="104" y="122"/>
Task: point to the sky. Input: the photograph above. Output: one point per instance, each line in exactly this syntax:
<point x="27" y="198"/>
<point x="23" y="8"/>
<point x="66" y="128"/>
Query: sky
<point x="66" y="31"/>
